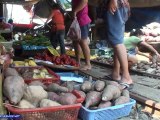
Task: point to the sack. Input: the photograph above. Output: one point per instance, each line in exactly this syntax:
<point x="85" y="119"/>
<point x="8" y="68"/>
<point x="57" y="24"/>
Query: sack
<point x="74" y="32"/>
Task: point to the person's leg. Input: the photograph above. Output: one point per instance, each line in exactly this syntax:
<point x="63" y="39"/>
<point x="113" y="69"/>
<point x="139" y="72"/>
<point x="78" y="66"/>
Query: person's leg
<point x="53" y="40"/>
<point x="86" y="53"/>
<point x="77" y="49"/>
<point x="122" y="58"/>
<point x="132" y="59"/>
<point x="85" y="47"/>
<point x="61" y="41"/>
<point x="116" y="68"/>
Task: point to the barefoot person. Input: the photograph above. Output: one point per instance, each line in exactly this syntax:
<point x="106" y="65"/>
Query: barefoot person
<point x="115" y="16"/>
<point x="80" y="10"/>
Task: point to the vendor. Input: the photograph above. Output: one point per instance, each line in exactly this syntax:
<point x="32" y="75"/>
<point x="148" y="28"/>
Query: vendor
<point x="57" y="33"/>
<point x="133" y="42"/>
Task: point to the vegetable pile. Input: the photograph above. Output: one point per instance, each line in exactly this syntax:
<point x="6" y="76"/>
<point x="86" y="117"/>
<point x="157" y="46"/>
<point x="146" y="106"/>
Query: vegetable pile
<point x="35" y="94"/>
<point x="2" y="39"/>
<point x="147" y="67"/>
<point x="58" y="60"/>
<point x="34" y="73"/>
<point x="151" y="32"/>
<point x="103" y="94"/>
<point x="38" y="40"/>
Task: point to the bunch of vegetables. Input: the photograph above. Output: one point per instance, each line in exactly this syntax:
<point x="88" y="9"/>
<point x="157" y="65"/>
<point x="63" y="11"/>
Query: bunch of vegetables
<point x="35" y="94"/>
<point x="2" y="39"/>
<point x="103" y="94"/>
<point x="58" y="60"/>
<point x="39" y="40"/>
<point x="34" y="73"/>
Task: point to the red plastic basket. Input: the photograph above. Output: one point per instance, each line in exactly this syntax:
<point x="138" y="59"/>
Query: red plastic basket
<point x="65" y="112"/>
<point x="55" y="78"/>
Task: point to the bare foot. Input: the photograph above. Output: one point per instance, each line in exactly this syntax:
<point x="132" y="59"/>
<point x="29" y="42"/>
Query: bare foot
<point x="86" y="67"/>
<point x="127" y="80"/>
<point x="118" y="78"/>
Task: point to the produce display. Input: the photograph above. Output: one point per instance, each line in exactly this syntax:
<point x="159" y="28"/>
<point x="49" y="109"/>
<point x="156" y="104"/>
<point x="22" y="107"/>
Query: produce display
<point x="58" y="60"/>
<point x="26" y="62"/>
<point x="147" y="67"/>
<point x="35" y="95"/>
<point x="102" y="94"/>
<point x="151" y="32"/>
<point x="104" y="60"/>
<point x="39" y="40"/>
<point x="34" y="73"/>
<point x="2" y="39"/>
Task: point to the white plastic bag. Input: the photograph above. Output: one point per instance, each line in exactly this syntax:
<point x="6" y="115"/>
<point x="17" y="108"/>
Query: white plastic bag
<point x="74" y="32"/>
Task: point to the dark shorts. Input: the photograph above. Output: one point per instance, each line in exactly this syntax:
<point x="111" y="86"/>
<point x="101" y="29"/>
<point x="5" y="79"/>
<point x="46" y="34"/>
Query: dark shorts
<point x="85" y="31"/>
<point x="115" y="25"/>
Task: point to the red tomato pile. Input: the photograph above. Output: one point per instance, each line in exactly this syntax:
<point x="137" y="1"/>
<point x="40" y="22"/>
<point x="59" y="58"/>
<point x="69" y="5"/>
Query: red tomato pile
<point x="58" y="60"/>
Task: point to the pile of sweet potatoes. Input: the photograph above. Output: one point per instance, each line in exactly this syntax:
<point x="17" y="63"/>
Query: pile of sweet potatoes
<point x="102" y="94"/>
<point x="35" y="94"/>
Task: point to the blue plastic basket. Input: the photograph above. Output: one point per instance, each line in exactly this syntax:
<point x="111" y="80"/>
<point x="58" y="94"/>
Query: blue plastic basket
<point x="70" y="76"/>
<point x="110" y="113"/>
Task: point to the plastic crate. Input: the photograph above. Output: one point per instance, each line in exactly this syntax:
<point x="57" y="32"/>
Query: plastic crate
<point x="55" y="78"/>
<point x="110" y="113"/>
<point x="65" y="112"/>
<point x="70" y="76"/>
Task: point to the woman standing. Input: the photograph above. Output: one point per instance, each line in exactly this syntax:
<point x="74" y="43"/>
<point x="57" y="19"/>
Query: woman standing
<point x="57" y="33"/>
<point x="80" y="10"/>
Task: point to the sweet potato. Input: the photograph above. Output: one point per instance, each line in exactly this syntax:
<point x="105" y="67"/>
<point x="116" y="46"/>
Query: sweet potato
<point x="113" y="83"/>
<point x="67" y="99"/>
<point x="10" y="72"/>
<point x="69" y="85"/>
<point x="13" y="88"/>
<point x="92" y="99"/>
<point x="86" y="86"/>
<point x="125" y="93"/>
<point x="53" y="96"/>
<point x="104" y="104"/>
<point x="48" y="103"/>
<point x="99" y="85"/>
<point x="57" y="88"/>
<point x="25" y="104"/>
<point x="34" y="94"/>
<point x="38" y="83"/>
<point x="121" y="100"/>
<point x="110" y="92"/>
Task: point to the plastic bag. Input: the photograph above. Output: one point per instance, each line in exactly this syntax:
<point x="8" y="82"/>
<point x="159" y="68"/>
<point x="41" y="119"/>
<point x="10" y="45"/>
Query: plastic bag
<point x="74" y="32"/>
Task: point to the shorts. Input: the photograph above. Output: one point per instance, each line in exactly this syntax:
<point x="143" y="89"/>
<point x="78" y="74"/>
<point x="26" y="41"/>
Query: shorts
<point x="131" y="52"/>
<point x="115" y="25"/>
<point x="85" y="31"/>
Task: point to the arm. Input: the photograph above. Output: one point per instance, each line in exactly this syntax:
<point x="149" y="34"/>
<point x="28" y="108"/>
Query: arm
<point x="80" y="6"/>
<point x="146" y="45"/>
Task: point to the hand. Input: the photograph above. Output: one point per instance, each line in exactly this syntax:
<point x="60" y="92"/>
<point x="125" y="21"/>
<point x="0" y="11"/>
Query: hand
<point x="113" y="6"/>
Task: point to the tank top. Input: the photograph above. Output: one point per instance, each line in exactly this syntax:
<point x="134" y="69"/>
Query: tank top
<point x="82" y="15"/>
